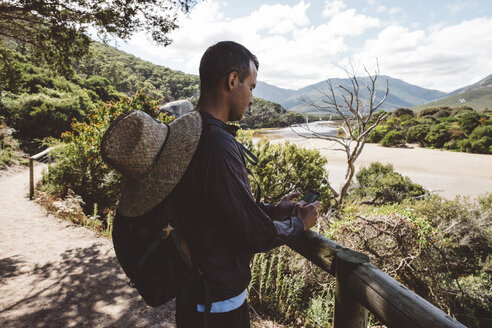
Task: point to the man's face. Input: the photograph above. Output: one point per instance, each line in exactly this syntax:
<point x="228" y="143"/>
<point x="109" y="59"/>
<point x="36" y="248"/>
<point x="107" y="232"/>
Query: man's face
<point x="243" y="94"/>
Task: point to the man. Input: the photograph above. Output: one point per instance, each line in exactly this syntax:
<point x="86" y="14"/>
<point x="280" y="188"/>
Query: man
<point x="221" y="221"/>
<point x="191" y="175"/>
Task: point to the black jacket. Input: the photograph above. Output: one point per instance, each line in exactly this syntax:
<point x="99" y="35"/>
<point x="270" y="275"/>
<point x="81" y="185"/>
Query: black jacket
<point x="220" y="219"/>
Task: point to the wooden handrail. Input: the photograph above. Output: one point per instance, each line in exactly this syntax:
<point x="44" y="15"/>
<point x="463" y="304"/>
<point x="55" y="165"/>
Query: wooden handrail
<point x="361" y="283"/>
<point x="31" y="168"/>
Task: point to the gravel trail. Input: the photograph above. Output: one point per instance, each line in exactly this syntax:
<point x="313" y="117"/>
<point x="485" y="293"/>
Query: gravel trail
<point x="56" y="274"/>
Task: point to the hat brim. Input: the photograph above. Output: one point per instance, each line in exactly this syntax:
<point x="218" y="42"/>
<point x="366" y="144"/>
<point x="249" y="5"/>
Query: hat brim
<point x="141" y="195"/>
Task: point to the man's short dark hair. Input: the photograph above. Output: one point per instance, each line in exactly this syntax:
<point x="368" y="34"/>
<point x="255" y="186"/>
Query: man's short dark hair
<point x="222" y="59"/>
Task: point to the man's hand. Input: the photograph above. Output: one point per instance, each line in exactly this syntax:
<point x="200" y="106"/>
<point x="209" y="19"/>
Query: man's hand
<point x="284" y="209"/>
<point x="307" y="213"/>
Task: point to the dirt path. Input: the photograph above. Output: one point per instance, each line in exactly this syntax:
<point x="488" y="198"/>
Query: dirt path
<point x="56" y="274"/>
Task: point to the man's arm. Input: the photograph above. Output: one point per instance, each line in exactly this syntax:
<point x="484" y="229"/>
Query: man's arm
<point x="239" y="214"/>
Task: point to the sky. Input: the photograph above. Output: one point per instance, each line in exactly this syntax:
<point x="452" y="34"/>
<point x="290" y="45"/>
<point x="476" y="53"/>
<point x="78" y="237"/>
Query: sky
<point x="435" y="44"/>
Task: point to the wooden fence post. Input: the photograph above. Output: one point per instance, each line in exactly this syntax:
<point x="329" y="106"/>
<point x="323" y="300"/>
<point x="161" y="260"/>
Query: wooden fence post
<point x="31" y="178"/>
<point x="348" y="312"/>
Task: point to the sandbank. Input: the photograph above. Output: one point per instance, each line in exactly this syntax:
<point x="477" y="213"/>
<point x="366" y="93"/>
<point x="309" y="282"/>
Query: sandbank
<point x="444" y="172"/>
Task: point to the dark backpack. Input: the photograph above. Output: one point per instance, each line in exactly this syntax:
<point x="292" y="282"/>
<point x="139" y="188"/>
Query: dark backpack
<point x="153" y="254"/>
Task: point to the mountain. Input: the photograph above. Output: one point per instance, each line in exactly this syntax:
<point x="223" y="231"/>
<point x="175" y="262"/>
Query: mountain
<point x="477" y="96"/>
<point x="401" y="94"/>
<point x="272" y="93"/>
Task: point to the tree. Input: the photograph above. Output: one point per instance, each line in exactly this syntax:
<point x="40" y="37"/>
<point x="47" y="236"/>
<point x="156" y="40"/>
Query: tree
<point x="359" y="118"/>
<point x="56" y="29"/>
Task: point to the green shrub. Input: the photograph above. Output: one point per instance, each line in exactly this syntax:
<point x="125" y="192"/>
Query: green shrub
<point x="428" y="112"/>
<point x="458" y="110"/>
<point x="285" y="168"/>
<point x="468" y="121"/>
<point x="393" y="138"/>
<point x="418" y="133"/>
<point x="380" y="184"/>
<point x="438" y="135"/>
<point x="409" y="123"/>
<point x="431" y="120"/>
<point x="442" y="113"/>
<point x="378" y="133"/>
<point x="79" y="166"/>
<point x="102" y="88"/>
<point x="403" y="111"/>
<point x="481" y="140"/>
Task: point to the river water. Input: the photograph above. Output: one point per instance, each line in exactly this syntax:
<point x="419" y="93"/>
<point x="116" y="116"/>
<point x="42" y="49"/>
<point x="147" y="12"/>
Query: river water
<point x="321" y="128"/>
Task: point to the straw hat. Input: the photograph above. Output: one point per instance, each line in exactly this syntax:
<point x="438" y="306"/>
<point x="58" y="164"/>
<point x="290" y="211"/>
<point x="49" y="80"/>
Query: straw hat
<point x="151" y="155"/>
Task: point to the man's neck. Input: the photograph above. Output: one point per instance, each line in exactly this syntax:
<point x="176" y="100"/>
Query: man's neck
<point x="215" y="107"/>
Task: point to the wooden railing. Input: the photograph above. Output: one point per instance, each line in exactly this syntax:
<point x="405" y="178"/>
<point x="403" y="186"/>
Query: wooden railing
<point x="37" y="157"/>
<point x="360" y="286"/>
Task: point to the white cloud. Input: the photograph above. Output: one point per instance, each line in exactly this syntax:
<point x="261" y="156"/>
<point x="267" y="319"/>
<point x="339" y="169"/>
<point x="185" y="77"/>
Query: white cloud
<point x="349" y="22"/>
<point x="293" y="52"/>
<point x="436" y="57"/>
<point x="333" y="7"/>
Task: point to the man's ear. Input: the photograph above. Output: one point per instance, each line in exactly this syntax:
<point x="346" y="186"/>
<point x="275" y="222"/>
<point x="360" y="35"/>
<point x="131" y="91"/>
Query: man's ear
<point x="233" y="81"/>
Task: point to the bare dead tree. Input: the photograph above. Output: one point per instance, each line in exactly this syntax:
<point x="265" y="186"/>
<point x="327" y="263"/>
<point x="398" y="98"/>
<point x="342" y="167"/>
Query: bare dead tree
<point x="359" y="118"/>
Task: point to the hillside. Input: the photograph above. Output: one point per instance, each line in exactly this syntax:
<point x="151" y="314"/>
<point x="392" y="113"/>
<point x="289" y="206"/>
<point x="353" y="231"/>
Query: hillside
<point x="401" y="94"/>
<point x="477" y="96"/>
<point x="38" y="103"/>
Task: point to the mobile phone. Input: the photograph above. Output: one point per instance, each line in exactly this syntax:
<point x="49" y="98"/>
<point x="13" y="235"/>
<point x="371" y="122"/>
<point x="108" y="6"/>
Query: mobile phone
<point x="311" y="196"/>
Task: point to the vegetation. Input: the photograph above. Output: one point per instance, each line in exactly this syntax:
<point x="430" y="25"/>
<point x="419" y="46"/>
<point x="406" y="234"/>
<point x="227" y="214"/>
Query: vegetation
<point x="40" y="103"/>
<point x="379" y="184"/>
<point x="57" y="31"/>
<point x="438" y="248"/>
<point x="9" y="148"/>
<point x="461" y="129"/>
<point x="80" y="169"/>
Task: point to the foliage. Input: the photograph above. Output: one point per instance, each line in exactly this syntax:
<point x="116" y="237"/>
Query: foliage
<point x="438" y="135"/>
<point x="438" y="248"/>
<point x="468" y="121"/>
<point x="417" y="133"/>
<point x="403" y="111"/>
<point x="79" y="166"/>
<point x="378" y="133"/>
<point x="290" y="289"/>
<point x="10" y="69"/>
<point x="442" y="113"/>
<point x="128" y="74"/>
<point x="285" y="168"/>
<point x="393" y="138"/>
<point x="266" y="114"/>
<point x="379" y="184"/>
<point x="10" y="153"/>
<point x="428" y="112"/>
<point x="481" y="140"/>
<point x="57" y="30"/>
